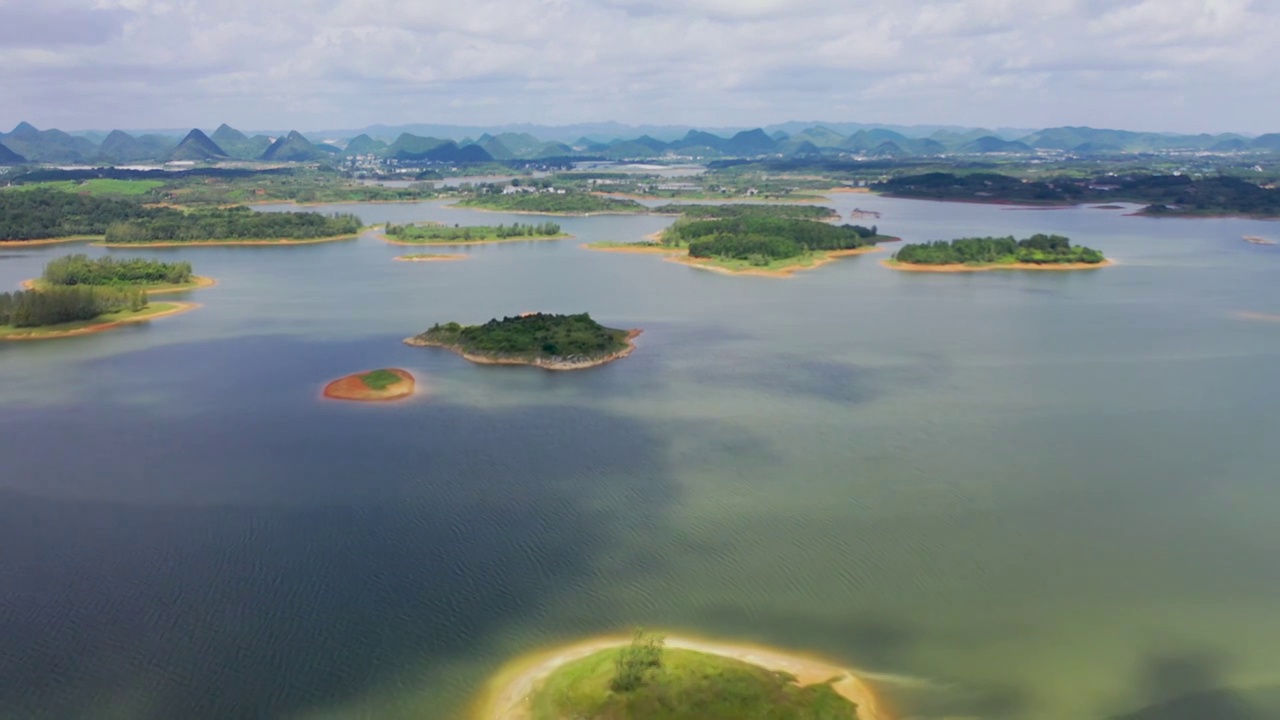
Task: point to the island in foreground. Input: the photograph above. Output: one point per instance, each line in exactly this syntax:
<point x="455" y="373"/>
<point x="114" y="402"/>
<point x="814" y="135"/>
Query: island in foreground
<point x="372" y="386"/>
<point x="675" y="678"/>
<point x="551" y="342"/>
<point x="1038" y="252"/>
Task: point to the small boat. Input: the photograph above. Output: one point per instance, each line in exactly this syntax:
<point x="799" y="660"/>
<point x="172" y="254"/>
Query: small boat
<point x="1258" y="240"/>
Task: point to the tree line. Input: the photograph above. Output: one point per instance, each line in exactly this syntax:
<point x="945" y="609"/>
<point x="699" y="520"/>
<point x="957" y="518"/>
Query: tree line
<point x="36" y="308"/>
<point x="80" y="269"/>
<point x="44" y="213"/>
<point x="695" y="211"/>
<point x="536" y="334"/>
<point x="236" y="223"/>
<point x="473" y="232"/>
<point x="1038" y="249"/>
<point x="762" y="239"/>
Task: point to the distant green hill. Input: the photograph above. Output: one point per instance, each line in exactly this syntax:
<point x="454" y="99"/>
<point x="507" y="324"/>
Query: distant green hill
<point x="495" y="147"/>
<point x="364" y="145"/>
<point x="9" y="157"/>
<point x="52" y="146"/>
<point x="294" y="148"/>
<point x="412" y="147"/>
<point x="238" y="145"/>
<point x="121" y="147"/>
<point x="992" y="144"/>
<point x="197" y="147"/>
<point x="819" y="136"/>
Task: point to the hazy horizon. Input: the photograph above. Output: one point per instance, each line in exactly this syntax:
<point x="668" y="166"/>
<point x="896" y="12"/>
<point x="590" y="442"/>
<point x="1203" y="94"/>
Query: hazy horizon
<point x="1175" y="66"/>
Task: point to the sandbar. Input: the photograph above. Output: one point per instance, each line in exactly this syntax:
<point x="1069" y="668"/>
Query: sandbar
<point x="785" y="271"/>
<point x="959" y="268"/>
<point x="353" y="388"/>
<point x="638" y="248"/>
<point x="91" y="326"/>
<point x="559" y="364"/>
<point x="211" y="243"/>
<point x="506" y="696"/>
<point x="428" y="243"/>
<point x="431" y="257"/>
<point x="197" y="283"/>
<point x="1251" y="315"/>
<point x="49" y="241"/>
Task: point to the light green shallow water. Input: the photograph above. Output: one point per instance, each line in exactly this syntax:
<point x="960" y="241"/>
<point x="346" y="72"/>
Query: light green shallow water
<point x="1015" y="495"/>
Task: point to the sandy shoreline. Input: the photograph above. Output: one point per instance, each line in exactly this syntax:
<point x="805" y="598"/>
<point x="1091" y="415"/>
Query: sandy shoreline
<point x="782" y="272"/>
<point x="450" y="257"/>
<point x="442" y="243"/>
<point x="102" y="327"/>
<point x="48" y="241"/>
<point x="228" y="243"/>
<point x="200" y="284"/>
<point x="633" y="249"/>
<point x="558" y="365"/>
<point x="1058" y="267"/>
<point x="506" y="696"/>
<point x="352" y="389"/>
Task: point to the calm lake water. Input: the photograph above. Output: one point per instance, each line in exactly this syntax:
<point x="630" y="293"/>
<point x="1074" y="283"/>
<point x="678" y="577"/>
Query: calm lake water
<point x="1012" y="495"/>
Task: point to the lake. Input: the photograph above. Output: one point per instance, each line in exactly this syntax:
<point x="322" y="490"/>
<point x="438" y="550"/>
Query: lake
<point x="1005" y="494"/>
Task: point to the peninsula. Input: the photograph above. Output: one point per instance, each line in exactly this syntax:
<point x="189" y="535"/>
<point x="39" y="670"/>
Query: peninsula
<point x="552" y="342"/>
<point x="372" y="386"/>
<point x="552" y="203"/>
<point x="1038" y="252"/>
<point x="151" y="276"/>
<point x="751" y="244"/>
<point x="436" y="234"/>
<point x="61" y="311"/>
<point x="169" y="227"/>
<point x="675" y="678"/>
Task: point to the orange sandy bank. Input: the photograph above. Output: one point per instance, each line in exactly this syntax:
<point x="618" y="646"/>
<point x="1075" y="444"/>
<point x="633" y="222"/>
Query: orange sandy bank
<point x="782" y="272"/>
<point x="554" y="364"/>
<point x="49" y="241"/>
<point x="42" y="334"/>
<point x="228" y="243"/>
<point x="908" y="267"/>
<point x="507" y="695"/>
<point x="353" y="388"/>
<point x="449" y="257"/>
<point x="440" y="243"/>
<point x="843" y="189"/>
<point x="199" y="283"/>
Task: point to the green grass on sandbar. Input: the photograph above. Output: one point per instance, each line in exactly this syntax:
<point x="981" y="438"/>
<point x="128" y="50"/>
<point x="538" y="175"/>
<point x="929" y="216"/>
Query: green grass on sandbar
<point x="380" y="379"/>
<point x="687" y="686"/>
<point x="43" y="331"/>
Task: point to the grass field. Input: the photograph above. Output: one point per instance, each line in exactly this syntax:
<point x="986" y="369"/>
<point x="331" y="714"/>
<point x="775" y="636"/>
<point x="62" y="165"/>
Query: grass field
<point x="98" y="186"/>
<point x="688" y="686"/>
<point x="380" y="379"/>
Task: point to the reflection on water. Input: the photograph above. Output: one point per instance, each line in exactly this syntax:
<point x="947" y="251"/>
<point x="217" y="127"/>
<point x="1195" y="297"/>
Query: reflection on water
<point x="1014" y="495"/>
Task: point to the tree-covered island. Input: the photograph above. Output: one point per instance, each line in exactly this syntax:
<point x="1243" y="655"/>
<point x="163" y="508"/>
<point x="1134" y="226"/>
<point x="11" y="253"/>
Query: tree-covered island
<point x="437" y="234"/>
<point x="63" y="311"/>
<point x="151" y="276"/>
<point x="724" y="211"/>
<point x="382" y="385"/>
<point x="659" y="678"/>
<point x="1038" y="252"/>
<point x="552" y="203"/>
<point x="752" y="244"/>
<point x="553" y="342"/>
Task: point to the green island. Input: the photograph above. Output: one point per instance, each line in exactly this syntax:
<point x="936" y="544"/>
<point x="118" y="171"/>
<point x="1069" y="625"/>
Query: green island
<point x="1038" y="252"/>
<point x="756" y="244"/>
<point x="552" y="203"/>
<point x="381" y="385"/>
<point x="653" y="678"/>
<point x="45" y="214"/>
<point x="436" y="234"/>
<point x="152" y="276"/>
<point x="63" y="311"/>
<point x="553" y="342"/>
<point x="725" y="211"/>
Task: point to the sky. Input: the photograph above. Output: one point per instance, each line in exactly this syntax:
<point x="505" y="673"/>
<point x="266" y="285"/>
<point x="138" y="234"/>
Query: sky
<point x="1164" y="65"/>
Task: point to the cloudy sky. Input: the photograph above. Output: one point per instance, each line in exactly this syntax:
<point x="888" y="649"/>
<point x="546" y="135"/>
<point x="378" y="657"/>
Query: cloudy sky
<point x="1178" y="65"/>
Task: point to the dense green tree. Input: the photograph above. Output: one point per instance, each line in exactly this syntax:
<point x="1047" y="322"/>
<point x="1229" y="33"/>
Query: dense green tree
<point x="1038" y="250"/>
<point x="66" y="304"/>
<point x="81" y="270"/>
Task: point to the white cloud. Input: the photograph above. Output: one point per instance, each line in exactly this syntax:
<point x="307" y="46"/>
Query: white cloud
<point x="1148" y="64"/>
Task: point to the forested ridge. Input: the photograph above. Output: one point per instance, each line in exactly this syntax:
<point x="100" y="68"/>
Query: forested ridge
<point x="537" y="335"/>
<point x="761" y="240"/>
<point x="46" y="213"/>
<point x="236" y="223"/>
<point x="71" y="270"/>
<point x="62" y="304"/>
<point x="561" y="203"/>
<point x="1038" y="249"/>
<point x="428" y="233"/>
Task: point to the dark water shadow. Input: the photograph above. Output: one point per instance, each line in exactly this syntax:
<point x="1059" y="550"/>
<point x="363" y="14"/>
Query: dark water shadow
<point x="1189" y="686"/>
<point x="830" y="380"/>
<point x="223" y="564"/>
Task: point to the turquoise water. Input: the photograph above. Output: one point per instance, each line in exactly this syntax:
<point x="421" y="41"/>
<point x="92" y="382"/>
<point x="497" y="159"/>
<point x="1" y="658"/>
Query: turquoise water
<point x="1011" y="495"/>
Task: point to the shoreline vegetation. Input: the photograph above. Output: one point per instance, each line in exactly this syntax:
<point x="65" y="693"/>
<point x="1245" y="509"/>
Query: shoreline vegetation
<point x="550" y="342"/>
<point x="552" y="203"/>
<point x="1038" y="252"/>
<point x="383" y="385"/>
<point x="432" y="257"/>
<point x="511" y="693"/>
<point x="152" y="277"/>
<point x="226" y="243"/>
<point x="438" y="234"/>
<point x="197" y="282"/>
<point x="102" y="323"/>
